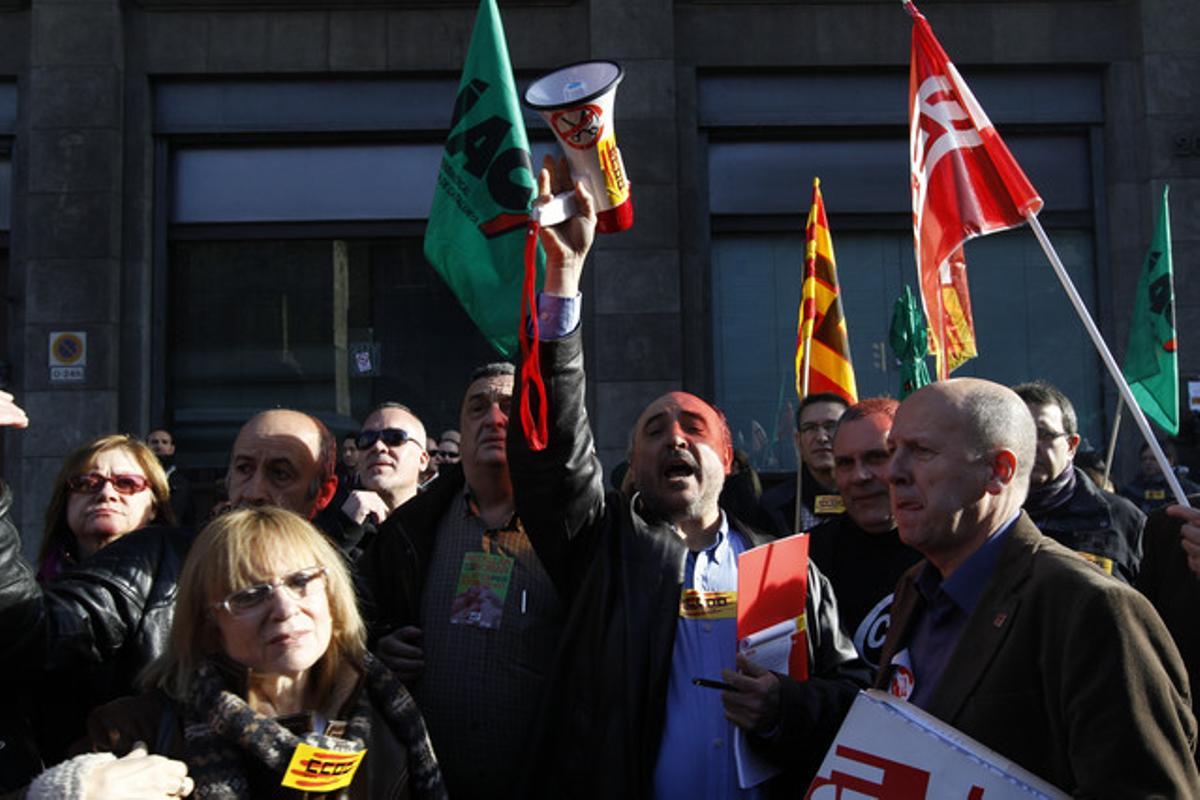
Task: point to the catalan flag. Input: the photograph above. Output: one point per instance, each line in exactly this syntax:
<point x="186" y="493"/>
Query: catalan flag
<point x="822" y="346"/>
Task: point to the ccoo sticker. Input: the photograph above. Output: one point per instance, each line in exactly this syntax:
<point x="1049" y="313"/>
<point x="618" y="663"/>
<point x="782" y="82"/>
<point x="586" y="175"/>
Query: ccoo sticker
<point x="319" y="769"/>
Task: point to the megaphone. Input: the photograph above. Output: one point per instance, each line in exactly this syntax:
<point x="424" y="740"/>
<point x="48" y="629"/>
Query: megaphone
<point x="577" y="103"/>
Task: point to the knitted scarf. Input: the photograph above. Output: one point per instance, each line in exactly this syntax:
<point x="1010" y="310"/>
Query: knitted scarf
<point x="226" y="739"/>
<point x="1053" y="495"/>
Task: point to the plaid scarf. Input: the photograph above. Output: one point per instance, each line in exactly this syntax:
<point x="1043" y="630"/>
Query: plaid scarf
<point x="226" y="740"/>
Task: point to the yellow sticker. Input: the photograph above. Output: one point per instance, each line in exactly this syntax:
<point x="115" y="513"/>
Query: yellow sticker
<point x="616" y="186"/>
<point x="828" y="504"/>
<point x="319" y="769"/>
<point x="1105" y="564"/>
<point x="1156" y="494"/>
<point x="694" y="604"/>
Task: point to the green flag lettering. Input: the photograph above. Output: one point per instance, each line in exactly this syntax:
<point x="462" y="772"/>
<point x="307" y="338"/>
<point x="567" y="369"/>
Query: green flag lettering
<point x="476" y="233"/>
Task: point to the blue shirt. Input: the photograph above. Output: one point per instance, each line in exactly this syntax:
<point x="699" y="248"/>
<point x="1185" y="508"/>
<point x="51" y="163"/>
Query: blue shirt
<point x="948" y="605"/>
<point x="695" y="758"/>
<point x="557" y="316"/>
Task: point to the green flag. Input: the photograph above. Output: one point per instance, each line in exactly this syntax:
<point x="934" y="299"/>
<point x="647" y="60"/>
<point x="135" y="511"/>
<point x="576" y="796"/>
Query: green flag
<point x="476" y="233"/>
<point x="1151" y="363"/>
<point x="910" y="342"/>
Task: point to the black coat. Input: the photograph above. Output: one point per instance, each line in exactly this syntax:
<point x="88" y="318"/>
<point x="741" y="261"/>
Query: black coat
<point x="392" y="571"/>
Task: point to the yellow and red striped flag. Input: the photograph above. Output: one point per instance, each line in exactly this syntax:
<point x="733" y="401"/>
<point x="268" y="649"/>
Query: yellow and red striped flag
<point x="822" y="346"/>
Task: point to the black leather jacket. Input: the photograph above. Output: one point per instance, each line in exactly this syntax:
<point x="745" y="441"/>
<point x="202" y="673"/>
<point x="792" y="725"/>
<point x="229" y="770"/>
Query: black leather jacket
<point x="19" y="660"/>
<point x="99" y="624"/>
<point x="391" y="572"/>
<point x="604" y="707"/>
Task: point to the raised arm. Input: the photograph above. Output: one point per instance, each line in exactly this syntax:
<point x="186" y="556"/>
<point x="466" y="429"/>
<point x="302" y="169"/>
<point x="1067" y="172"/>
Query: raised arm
<point x="560" y="490"/>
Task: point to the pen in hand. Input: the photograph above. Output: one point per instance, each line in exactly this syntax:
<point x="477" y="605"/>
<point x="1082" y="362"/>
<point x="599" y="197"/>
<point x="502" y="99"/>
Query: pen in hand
<point x="707" y="684"/>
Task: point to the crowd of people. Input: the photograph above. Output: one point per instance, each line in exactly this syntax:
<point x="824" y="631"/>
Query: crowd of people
<point x="396" y="615"/>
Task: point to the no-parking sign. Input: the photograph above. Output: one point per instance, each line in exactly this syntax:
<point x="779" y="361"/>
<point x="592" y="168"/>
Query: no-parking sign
<point x="68" y="356"/>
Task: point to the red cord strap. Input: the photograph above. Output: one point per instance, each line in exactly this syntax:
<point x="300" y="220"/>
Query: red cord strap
<point x="535" y="429"/>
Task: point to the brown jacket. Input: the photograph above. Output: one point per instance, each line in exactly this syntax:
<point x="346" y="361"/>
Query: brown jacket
<point x="1066" y="671"/>
<point x="150" y="718"/>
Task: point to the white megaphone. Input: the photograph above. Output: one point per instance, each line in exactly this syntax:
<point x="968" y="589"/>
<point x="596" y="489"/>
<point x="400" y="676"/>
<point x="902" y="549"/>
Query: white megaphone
<point x="577" y="102"/>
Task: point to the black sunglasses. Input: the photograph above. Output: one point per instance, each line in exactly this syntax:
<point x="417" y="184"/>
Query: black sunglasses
<point x="392" y="437"/>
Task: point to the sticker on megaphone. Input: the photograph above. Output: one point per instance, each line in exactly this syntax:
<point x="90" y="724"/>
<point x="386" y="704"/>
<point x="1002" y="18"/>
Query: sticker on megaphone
<point x="577" y="103"/>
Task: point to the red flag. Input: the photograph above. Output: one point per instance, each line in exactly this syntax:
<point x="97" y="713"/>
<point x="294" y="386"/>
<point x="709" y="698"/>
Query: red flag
<point x="965" y="183"/>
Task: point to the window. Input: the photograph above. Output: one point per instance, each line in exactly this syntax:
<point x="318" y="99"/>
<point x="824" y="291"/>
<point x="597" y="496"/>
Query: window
<point x="281" y="320"/>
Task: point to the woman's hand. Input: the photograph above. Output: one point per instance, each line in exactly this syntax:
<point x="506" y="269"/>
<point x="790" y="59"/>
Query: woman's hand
<point x="137" y="776"/>
<point x="11" y="414"/>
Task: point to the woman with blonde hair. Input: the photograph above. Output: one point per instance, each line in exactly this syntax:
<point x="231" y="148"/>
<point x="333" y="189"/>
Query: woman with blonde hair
<point x="109" y="487"/>
<point x="267" y="655"/>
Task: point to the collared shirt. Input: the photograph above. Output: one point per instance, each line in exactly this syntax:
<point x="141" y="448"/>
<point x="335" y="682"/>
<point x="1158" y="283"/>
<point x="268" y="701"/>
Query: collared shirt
<point x="948" y="605"/>
<point x="695" y="759"/>
<point x="481" y="685"/>
<point x="557" y="316"/>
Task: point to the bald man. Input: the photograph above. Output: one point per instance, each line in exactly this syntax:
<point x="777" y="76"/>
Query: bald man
<point x="652" y="585"/>
<point x="97" y="626"/>
<point x="1009" y="636"/>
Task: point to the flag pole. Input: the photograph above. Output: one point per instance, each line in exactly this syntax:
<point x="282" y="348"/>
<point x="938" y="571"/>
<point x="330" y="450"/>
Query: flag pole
<point x="1106" y="356"/>
<point x="1112" y="440"/>
<point x="799" y="452"/>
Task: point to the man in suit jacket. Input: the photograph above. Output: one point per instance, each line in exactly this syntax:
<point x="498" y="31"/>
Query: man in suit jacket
<point x="1010" y="637"/>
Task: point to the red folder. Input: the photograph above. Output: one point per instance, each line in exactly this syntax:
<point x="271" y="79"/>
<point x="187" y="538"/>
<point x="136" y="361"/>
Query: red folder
<point x="772" y="588"/>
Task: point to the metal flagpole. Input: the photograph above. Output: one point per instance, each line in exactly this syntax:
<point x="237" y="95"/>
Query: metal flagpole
<point x="799" y="453"/>
<point x="1112" y="441"/>
<point x="1107" y="357"/>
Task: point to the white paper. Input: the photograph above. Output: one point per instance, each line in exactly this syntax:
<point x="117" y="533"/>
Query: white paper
<point x="884" y="738"/>
<point x="770" y="648"/>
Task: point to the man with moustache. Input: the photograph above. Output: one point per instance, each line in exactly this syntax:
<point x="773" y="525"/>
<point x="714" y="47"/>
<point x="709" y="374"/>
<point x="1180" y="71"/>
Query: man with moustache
<point x="650" y="582"/>
<point x="461" y="608"/>
<point x="1010" y="637"/>
<point x="860" y="551"/>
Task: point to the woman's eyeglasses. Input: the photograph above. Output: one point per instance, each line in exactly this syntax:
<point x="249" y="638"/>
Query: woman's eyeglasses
<point x="299" y="585"/>
<point x="92" y="482"/>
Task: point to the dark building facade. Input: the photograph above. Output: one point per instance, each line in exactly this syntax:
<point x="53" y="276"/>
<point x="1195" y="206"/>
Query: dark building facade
<point x="211" y="207"/>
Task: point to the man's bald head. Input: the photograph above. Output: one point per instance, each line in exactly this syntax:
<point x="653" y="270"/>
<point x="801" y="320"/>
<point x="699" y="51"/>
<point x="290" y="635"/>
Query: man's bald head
<point x="996" y="418"/>
<point x="962" y="451"/>
<point x="681" y="453"/>
<point x="285" y="458"/>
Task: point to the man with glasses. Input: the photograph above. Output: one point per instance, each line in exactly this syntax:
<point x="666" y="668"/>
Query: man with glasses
<point x="1064" y="502"/>
<point x="816" y="420"/>
<point x="460" y="607"/>
<point x="391" y="457"/>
